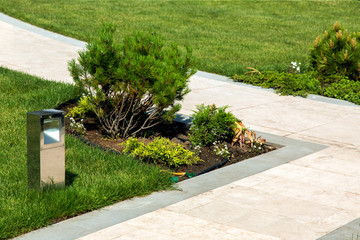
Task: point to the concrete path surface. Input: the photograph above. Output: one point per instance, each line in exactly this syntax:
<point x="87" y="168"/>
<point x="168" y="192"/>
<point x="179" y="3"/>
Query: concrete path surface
<point x="309" y="196"/>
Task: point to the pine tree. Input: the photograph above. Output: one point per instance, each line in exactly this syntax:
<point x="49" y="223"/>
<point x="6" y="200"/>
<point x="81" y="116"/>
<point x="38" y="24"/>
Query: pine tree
<point x="134" y="85"/>
<point x="337" y="53"/>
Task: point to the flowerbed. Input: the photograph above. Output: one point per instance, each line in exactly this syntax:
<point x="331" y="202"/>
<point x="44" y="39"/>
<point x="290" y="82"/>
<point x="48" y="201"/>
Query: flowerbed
<point x="176" y="132"/>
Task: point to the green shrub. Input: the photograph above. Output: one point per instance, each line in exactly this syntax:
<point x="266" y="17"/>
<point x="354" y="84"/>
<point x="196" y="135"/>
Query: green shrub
<point x="211" y="124"/>
<point x="161" y="151"/>
<point x="345" y="89"/>
<point x="81" y="110"/>
<point x="77" y="127"/>
<point x="284" y="83"/>
<point x="132" y="86"/>
<point x="337" y="52"/>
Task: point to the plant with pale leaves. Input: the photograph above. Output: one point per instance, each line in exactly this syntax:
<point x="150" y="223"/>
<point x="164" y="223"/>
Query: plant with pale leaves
<point x="197" y="149"/>
<point x="257" y="146"/>
<point x="221" y="150"/>
<point x="77" y="127"/>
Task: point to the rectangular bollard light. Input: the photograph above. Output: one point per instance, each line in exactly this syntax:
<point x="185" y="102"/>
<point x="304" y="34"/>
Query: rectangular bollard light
<point x="46" y="148"/>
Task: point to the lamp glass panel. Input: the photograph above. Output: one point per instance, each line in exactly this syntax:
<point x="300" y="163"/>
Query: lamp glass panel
<point x="52" y="130"/>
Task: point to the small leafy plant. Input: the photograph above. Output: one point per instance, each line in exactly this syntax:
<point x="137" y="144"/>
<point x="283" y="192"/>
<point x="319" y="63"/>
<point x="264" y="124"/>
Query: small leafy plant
<point x="337" y="52"/>
<point x="211" y="124"/>
<point x="82" y="109"/>
<point x="77" y="127"/>
<point x="221" y="149"/>
<point x="161" y="151"/>
<point x="244" y="135"/>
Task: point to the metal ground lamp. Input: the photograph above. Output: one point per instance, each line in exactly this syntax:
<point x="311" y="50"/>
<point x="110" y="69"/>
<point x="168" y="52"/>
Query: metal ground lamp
<point x="46" y="148"/>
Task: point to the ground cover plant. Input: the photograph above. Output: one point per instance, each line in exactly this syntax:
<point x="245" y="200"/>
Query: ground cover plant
<point x="284" y="83"/>
<point x="227" y="36"/>
<point x="295" y="84"/>
<point x="94" y="178"/>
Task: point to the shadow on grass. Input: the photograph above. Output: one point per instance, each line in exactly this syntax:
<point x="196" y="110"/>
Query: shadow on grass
<point x="70" y="178"/>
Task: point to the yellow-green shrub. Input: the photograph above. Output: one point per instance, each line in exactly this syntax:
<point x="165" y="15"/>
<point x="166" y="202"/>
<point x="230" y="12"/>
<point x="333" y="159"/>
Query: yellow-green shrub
<point x="81" y="109"/>
<point x="161" y="151"/>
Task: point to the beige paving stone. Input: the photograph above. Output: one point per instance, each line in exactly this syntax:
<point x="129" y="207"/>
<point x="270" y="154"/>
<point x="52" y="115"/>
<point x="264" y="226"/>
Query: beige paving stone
<point x="163" y="224"/>
<point x="257" y="128"/>
<point x="290" y="229"/>
<point x="202" y="83"/>
<point x="254" y="180"/>
<point x="340" y="160"/>
<point x="249" y="235"/>
<point x="187" y="112"/>
<point x="35" y="54"/>
<point x="111" y="232"/>
<point x="275" y="203"/>
<point x="260" y="211"/>
<point x="276" y="225"/>
<point x="311" y="192"/>
<point x="321" y="178"/>
<point x="142" y="234"/>
<point x="193" y="202"/>
<point x="13" y="66"/>
<point x="235" y="96"/>
<point x="292" y="115"/>
<point x="345" y="130"/>
<point x="314" y="139"/>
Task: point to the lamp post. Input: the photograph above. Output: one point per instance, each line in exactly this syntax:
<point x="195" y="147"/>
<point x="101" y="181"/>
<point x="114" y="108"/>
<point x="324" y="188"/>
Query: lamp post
<point x="46" y="148"/>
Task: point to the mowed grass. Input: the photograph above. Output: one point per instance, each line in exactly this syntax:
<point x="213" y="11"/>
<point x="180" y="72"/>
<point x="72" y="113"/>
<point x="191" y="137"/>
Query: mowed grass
<point x="94" y="178"/>
<point x="226" y="36"/>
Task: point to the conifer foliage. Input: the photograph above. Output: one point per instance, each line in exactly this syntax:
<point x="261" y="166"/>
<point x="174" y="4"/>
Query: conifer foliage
<point x="337" y="53"/>
<point x="133" y="85"/>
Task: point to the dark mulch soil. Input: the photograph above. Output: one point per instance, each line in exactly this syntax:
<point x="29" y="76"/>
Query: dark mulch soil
<point x="178" y="133"/>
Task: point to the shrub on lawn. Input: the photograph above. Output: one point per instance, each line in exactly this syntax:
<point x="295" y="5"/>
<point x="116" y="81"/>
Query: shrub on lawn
<point x="211" y="124"/>
<point x="161" y="151"/>
<point x="82" y="109"/>
<point x="134" y="85"/>
<point x="337" y="52"/>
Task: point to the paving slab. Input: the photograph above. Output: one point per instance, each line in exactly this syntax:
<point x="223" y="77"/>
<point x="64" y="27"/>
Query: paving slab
<point x="38" y="52"/>
<point x="306" y="190"/>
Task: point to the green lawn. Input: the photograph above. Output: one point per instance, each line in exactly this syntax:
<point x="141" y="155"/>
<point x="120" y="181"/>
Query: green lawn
<point x="99" y="178"/>
<point x="226" y="36"/>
